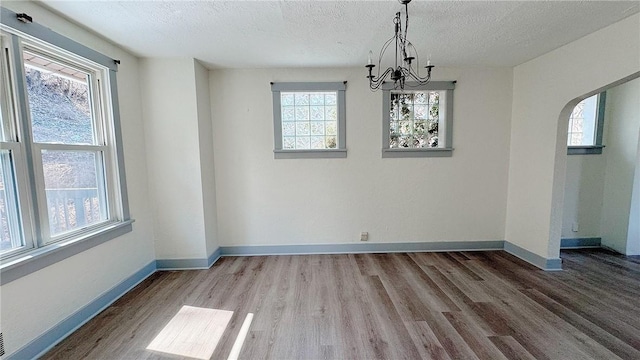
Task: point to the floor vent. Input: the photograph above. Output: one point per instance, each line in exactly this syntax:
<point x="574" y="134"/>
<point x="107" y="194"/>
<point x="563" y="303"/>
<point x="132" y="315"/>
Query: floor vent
<point x="1" y="345"/>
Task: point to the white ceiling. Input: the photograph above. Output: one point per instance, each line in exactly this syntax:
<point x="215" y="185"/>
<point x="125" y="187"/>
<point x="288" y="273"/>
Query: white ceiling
<point x="258" y="34"/>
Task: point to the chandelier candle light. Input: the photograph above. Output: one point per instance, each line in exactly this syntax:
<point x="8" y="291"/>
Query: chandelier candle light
<point x="405" y="69"/>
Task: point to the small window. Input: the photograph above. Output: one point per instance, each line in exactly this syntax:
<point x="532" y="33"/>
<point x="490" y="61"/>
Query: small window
<point x="418" y="122"/>
<point x="586" y="124"/>
<point x="309" y="120"/>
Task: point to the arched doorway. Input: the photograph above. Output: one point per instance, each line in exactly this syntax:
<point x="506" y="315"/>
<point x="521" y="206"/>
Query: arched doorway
<point x="600" y="193"/>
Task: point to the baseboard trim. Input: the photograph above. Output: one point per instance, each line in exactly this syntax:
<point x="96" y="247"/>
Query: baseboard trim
<point x="182" y="264"/>
<point x="533" y="259"/>
<point x="214" y="257"/>
<point x="577" y="243"/>
<point x="259" y="250"/>
<point x="53" y="336"/>
<point x="188" y="264"/>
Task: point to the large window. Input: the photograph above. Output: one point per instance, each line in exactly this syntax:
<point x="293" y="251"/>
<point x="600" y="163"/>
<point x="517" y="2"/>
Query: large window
<point x="586" y="124"/>
<point x="309" y="120"/>
<point x="418" y="122"/>
<point x="61" y="174"/>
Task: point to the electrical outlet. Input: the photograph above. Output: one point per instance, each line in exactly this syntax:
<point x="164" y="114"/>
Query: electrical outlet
<point x="364" y="236"/>
<point x="575" y="227"/>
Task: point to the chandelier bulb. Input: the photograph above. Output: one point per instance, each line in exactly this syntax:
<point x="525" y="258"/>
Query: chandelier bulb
<point x="370" y="61"/>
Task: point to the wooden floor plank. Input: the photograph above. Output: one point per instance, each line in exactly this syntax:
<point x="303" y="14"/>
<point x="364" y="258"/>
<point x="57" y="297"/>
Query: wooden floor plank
<point x="459" y="305"/>
<point x="474" y="336"/>
<point x="511" y="348"/>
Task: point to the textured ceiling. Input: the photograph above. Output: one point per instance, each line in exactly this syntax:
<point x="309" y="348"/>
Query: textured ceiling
<point x="257" y="34"/>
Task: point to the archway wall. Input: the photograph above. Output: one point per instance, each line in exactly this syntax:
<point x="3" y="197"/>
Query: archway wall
<point x="545" y="90"/>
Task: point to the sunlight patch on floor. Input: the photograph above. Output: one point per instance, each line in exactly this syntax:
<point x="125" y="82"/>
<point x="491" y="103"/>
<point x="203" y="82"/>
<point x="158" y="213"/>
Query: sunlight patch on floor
<point x="242" y="335"/>
<point x="193" y="332"/>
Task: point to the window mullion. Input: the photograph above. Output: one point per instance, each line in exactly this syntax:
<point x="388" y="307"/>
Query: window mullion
<point x="97" y="100"/>
<point x="69" y="147"/>
<point x="29" y="200"/>
<point x="40" y="194"/>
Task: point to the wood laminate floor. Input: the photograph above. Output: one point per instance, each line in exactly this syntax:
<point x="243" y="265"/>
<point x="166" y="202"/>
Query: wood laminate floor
<point x="455" y="305"/>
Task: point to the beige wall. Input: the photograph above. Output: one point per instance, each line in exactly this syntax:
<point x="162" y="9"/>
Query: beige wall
<point x="321" y="201"/>
<point x="633" y="236"/>
<point x="545" y="90"/>
<point x="583" y="195"/>
<point x="598" y="190"/>
<point x="622" y="157"/>
<point x="207" y="164"/>
<point x="172" y="120"/>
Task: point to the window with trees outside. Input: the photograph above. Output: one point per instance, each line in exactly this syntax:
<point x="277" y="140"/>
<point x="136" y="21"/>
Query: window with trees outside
<point x="61" y="175"/>
<point x="586" y="125"/>
<point x="418" y="121"/>
<point x="309" y="120"/>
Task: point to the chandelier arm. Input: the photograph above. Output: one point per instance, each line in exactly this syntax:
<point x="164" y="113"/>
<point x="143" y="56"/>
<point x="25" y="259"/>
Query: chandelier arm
<point x="380" y="79"/>
<point x="417" y="59"/>
<point x="375" y="83"/>
<point x="418" y="79"/>
<point x="384" y="49"/>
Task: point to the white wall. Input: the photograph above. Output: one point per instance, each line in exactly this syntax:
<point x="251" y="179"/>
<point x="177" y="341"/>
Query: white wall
<point x="623" y="117"/>
<point x="170" y="115"/>
<point x="545" y="90"/>
<point x="633" y="236"/>
<point x="583" y="195"/>
<point x="312" y="201"/>
<point x="35" y="303"/>
<point x="205" y="132"/>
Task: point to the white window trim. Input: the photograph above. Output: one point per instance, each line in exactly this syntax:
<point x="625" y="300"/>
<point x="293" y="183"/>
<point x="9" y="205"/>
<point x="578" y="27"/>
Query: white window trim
<point x="38" y="254"/>
<point x="447" y="150"/>
<point x="340" y="151"/>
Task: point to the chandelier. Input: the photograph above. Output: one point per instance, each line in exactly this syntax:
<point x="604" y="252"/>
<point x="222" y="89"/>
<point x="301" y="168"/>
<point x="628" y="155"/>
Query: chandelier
<point x="407" y="66"/>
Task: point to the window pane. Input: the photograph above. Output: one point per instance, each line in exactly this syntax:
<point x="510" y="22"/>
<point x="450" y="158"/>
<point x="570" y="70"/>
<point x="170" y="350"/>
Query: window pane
<point x="10" y="228"/>
<point x="418" y="113"/>
<point x="74" y="186"/>
<point x="306" y="118"/>
<point x="6" y="98"/>
<point x="5" y="123"/>
<point x="583" y="123"/>
<point x="59" y="100"/>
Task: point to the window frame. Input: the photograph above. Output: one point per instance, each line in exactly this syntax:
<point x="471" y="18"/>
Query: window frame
<point x="10" y="143"/>
<point x="595" y="149"/>
<point x="39" y="251"/>
<point x="341" y="147"/>
<point x="447" y="87"/>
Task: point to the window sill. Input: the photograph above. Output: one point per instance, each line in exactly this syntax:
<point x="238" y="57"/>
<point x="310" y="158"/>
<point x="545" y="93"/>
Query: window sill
<point x="34" y="260"/>
<point x="310" y="154"/>
<point x="413" y="153"/>
<point x="585" y="150"/>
